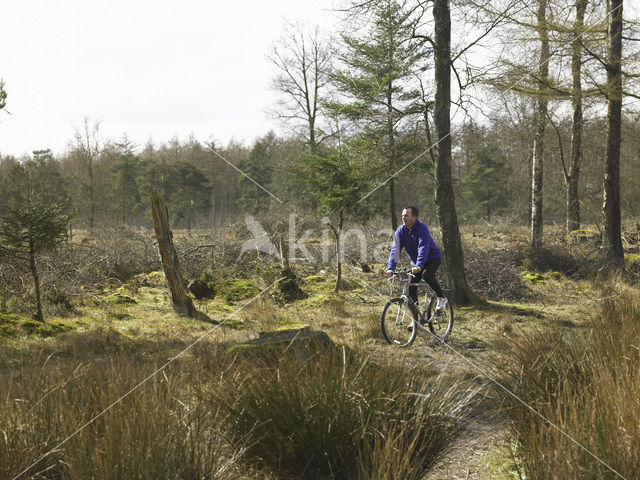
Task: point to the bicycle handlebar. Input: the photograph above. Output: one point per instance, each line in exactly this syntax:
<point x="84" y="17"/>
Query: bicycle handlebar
<point x="402" y="273"/>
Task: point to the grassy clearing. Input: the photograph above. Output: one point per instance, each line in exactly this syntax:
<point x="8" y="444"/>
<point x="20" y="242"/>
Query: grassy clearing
<point x="260" y="419"/>
<point x="589" y="386"/>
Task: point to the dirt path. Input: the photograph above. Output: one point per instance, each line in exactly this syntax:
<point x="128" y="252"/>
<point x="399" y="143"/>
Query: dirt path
<point x="484" y="432"/>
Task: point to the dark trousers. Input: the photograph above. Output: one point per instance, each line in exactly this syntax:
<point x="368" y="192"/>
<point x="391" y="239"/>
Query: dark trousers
<point x="429" y="276"/>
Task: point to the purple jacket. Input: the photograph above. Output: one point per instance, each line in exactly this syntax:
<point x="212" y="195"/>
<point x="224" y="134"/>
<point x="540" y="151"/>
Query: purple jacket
<point x="417" y="242"/>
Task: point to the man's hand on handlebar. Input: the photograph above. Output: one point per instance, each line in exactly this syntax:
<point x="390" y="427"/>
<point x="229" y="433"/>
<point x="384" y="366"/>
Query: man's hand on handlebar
<point x="389" y="273"/>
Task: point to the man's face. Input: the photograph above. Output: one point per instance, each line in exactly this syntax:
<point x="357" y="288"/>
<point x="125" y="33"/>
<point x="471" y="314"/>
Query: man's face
<point x="407" y="218"/>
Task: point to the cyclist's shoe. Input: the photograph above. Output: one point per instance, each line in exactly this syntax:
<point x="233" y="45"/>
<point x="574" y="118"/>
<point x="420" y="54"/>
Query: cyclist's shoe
<point x="442" y="303"/>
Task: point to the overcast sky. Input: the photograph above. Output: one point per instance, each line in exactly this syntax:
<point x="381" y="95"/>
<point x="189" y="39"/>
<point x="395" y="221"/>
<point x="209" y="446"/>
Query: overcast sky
<point x="148" y="68"/>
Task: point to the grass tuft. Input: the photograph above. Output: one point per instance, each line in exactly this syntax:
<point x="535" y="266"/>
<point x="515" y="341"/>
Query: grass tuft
<point x="589" y="386"/>
<point x="336" y="416"/>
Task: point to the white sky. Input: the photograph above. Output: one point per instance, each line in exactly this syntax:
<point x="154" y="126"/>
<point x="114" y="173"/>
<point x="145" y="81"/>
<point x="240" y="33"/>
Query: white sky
<point x="148" y="68"/>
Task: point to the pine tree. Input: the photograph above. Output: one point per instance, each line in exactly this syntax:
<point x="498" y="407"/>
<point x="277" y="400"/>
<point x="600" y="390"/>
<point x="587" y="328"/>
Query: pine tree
<point x="485" y="185"/>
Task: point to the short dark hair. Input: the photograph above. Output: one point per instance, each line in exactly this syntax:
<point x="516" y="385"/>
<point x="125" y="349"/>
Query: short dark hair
<point x="414" y="210"/>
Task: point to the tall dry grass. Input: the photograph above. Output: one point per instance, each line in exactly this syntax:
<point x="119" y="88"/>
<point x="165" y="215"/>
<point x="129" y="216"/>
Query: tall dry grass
<point x="162" y="430"/>
<point x="336" y="416"/>
<point x="327" y="414"/>
<point x="588" y="386"/>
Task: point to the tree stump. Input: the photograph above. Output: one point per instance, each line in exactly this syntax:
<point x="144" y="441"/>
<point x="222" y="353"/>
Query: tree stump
<point x="181" y="302"/>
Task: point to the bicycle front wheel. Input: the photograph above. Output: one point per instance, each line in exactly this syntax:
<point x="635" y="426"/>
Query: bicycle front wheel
<point x="398" y="323"/>
<point x="440" y="321"/>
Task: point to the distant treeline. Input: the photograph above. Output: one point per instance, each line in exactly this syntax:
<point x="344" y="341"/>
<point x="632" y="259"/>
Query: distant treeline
<point x="107" y="183"/>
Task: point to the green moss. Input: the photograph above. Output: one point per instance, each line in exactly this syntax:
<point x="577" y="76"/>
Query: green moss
<point x="130" y="286"/>
<point x="555" y="275"/>
<point x="632" y="259"/>
<point x="7" y="331"/>
<point x="235" y="289"/>
<point x="324" y="287"/>
<point x="312" y="279"/>
<point x="44" y="329"/>
<point x="292" y="327"/>
<point x="9" y="319"/>
<point x="120" y="298"/>
<point x="237" y="324"/>
<point x="534" y="277"/>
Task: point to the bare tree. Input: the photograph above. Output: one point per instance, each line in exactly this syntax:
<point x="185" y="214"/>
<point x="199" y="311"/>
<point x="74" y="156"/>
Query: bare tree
<point x="303" y="62"/>
<point x="572" y="174"/>
<point x="542" y="105"/>
<point x="87" y="146"/>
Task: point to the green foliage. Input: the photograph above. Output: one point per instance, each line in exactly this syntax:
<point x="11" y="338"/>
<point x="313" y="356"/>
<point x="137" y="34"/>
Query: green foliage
<point x="485" y="184"/>
<point x="38" y="180"/>
<point x="184" y="187"/>
<point x="258" y="166"/>
<point x="125" y="199"/>
<point x="32" y="228"/>
<point x="378" y="62"/>
<point x="338" y="180"/>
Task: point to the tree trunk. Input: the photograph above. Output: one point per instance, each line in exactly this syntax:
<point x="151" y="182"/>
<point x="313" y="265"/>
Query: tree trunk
<point x="573" y="199"/>
<point x="181" y="302"/>
<point x="392" y="158"/>
<point x="339" y="246"/>
<point x="541" y="124"/>
<point x="611" y="208"/>
<point x="444" y="195"/>
<point x="36" y="282"/>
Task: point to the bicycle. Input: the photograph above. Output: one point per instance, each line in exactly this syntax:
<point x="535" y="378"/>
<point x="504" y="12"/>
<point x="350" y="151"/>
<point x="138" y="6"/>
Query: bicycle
<point x="400" y="330"/>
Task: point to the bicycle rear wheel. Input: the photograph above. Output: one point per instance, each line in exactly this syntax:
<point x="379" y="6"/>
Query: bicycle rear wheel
<point x="397" y="323"/>
<point x="440" y="322"/>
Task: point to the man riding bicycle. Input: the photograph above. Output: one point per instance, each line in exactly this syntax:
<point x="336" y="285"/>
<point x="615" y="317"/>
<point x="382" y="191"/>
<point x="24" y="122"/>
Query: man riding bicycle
<point x="423" y="252"/>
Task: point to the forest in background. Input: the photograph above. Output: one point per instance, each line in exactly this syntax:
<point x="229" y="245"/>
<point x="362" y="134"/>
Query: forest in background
<point x="490" y="169"/>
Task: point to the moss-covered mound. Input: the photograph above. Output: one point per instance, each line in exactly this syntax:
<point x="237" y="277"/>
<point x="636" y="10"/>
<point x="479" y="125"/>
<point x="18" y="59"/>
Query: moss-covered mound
<point x="236" y="289"/>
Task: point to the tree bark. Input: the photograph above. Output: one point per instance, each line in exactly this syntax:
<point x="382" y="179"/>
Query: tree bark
<point x="392" y="157"/>
<point x="573" y="175"/>
<point x="36" y="282"/>
<point x="339" y="248"/>
<point x="541" y="124"/>
<point x="444" y="194"/>
<point x="611" y="208"/>
<point x="181" y="302"/>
